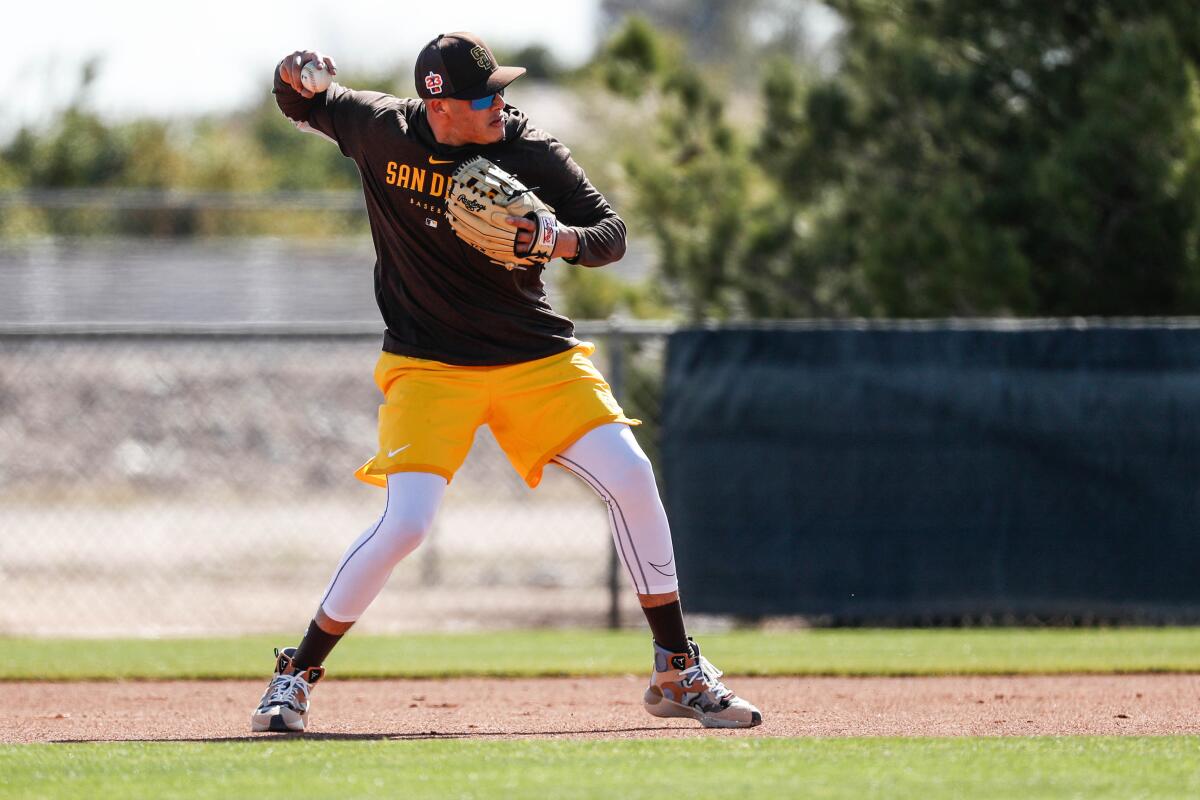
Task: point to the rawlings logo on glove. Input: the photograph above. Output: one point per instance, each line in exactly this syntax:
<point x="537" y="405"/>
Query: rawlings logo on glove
<point x="470" y="204"/>
<point x="482" y="198"/>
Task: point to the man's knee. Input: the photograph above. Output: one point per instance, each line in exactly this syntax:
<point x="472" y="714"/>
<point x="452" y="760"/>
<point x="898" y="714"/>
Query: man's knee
<point x="401" y="533"/>
<point x="610" y="459"/>
<point x="629" y="478"/>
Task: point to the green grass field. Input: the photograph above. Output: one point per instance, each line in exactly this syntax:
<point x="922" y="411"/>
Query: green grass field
<point x="995" y="651"/>
<point x="926" y="769"/>
<point x="702" y="766"/>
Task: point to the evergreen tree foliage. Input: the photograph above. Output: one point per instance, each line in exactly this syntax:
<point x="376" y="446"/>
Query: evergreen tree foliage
<point x="966" y="159"/>
<point x="1022" y="157"/>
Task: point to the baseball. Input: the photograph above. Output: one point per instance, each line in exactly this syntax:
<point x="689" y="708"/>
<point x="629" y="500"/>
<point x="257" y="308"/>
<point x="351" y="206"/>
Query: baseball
<point x="313" y="79"/>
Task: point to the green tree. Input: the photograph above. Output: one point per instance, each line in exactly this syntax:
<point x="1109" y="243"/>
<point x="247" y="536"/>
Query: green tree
<point x="631" y="65"/>
<point x="1019" y="157"/>
<point x="965" y="159"/>
<point x="723" y="237"/>
<point x="254" y="150"/>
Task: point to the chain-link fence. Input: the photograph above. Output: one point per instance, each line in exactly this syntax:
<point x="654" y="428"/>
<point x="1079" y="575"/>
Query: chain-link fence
<point x="198" y="480"/>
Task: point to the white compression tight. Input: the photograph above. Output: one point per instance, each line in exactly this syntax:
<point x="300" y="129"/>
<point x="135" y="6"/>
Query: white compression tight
<point x="607" y="458"/>
<point x="412" y="500"/>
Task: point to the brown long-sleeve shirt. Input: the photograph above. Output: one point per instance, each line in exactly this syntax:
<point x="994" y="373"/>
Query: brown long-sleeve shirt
<point x="440" y="298"/>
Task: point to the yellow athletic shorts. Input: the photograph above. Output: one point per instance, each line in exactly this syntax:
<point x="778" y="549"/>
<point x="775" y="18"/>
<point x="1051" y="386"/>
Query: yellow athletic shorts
<point x="536" y="409"/>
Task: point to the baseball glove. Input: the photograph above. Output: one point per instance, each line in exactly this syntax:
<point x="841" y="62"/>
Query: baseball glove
<point x="481" y="197"/>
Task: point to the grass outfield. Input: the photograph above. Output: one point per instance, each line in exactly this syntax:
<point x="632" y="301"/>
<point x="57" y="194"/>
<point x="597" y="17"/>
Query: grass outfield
<point x="927" y="769"/>
<point x="543" y="653"/>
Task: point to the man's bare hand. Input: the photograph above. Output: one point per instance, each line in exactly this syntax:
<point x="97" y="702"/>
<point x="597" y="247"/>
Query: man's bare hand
<point x="289" y="70"/>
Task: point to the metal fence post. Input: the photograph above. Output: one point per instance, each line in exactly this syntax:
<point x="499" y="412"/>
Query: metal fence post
<point x="616" y="369"/>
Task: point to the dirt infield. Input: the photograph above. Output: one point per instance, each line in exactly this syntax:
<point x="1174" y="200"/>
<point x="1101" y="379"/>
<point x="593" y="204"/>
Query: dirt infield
<point x="609" y="708"/>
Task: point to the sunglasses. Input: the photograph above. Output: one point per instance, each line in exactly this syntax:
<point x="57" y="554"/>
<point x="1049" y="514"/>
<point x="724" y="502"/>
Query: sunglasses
<point x="482" y="103"/>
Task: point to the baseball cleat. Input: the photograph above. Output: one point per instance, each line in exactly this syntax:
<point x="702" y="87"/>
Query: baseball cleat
<point x="284" y="706"/>
<point x="687" y="685"/>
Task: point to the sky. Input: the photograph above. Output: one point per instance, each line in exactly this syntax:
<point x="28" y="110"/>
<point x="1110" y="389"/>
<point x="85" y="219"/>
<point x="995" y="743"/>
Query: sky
<point x="169" y="58"/>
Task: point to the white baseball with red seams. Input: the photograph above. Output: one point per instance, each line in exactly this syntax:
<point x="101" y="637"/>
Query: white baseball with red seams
<point x="315" y="77"/>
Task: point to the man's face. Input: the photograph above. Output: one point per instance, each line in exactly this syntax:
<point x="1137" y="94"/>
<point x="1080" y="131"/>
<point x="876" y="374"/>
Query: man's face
<point x="464" y="125"/>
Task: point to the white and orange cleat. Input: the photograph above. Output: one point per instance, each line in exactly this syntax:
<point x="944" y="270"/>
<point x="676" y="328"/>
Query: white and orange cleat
<point x="284" y="706"/>
<point x="687" y="685"/>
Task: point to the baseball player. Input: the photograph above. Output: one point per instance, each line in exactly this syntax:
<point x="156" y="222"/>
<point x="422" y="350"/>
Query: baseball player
<point x="471" y="340"/>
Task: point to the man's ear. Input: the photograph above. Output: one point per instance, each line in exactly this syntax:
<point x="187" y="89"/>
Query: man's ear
<point x="436" y="106"/>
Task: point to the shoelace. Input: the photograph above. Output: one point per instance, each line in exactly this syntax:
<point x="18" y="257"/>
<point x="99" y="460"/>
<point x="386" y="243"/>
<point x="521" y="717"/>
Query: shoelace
<point x="703" y="668"/>
<point x="283" y="690"/>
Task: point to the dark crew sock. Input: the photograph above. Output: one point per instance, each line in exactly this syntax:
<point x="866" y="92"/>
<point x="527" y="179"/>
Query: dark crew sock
<point x="315" y="647"/>
<point x="666" y="625"/>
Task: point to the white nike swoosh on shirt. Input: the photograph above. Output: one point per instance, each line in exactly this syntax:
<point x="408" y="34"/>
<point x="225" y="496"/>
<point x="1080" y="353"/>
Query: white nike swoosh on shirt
<point x="392" y="453"/>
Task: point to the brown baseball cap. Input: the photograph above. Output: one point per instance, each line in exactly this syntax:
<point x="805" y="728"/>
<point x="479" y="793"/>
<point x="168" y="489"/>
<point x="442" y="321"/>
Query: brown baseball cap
<point x="461" y="66"/>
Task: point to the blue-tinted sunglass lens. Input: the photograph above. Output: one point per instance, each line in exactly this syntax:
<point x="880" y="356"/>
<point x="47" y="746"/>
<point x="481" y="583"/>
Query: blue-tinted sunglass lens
<point x="484" y="102"/>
